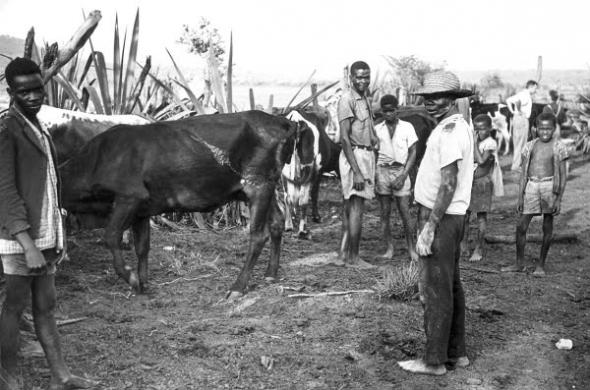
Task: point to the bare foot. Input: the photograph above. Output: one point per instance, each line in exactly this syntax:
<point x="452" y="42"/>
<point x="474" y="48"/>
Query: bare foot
<point x="512" y="268"/>
<point x="419" y="367"/>
<point x="461" y="362"/>
<point x="464" y="249"/>
<point x="73" y="382"/>
<point x="414" y="257"/>
<point x="360" y="264"/>
<point x="388" y="255"/>
<point x="539" y="272"/>
<point x="476" y="256"/>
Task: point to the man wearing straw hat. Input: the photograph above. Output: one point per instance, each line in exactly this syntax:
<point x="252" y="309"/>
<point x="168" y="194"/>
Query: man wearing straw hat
<point x="443" y="191"/>
<point x="357" y="160"/>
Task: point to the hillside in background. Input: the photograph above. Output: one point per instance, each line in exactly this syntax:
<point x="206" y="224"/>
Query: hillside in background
<point x="10" y="46"/>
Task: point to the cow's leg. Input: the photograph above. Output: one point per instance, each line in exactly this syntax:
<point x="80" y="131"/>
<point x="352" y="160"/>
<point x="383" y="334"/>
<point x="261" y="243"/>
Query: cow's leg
<point x="141" y="239"/>
<point x="276" y="221"/>
<point x="120" y="220"/>
<point x="315" y="189"/>
<point x="303" y="233"/>
<point x="260" y="200"/>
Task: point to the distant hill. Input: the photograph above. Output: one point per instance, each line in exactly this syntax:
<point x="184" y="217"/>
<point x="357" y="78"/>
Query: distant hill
<point x="10" y="46"/>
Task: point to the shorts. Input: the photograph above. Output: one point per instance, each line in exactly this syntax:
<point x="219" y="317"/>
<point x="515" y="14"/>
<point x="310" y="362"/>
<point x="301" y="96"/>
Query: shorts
<point x="538" y="197"/>
<point x="366" y="162"/>
<point x="16" y="264"/>
<point x="386" y="175"/>
<point x="481" y="195"/>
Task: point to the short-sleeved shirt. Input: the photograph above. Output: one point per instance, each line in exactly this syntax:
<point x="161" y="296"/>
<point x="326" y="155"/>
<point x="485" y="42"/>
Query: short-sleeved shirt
<point x="526" y="102"/>
<point x="356" y="107"/>
<point x="450" y="141"/>
<point x="560" y="154"/>
<point x="395" y="150"/>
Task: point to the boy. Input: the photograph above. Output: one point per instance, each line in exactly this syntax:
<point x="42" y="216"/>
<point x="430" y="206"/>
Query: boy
<point x="31" y="231"/>
<point x="542" y="182"/>
<point x="485" y="156"/>
<point x="357" y="160"/>
<point x="397" y="155"/>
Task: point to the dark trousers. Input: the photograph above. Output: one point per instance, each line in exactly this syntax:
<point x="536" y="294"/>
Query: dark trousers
<point x="441" y="291"/>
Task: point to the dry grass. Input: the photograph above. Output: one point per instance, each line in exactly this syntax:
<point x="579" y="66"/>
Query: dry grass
<point x="400" y="283"/>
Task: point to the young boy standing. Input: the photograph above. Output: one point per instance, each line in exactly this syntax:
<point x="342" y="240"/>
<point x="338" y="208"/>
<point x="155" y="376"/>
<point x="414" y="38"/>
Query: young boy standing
<point x="397" y="155"/>
<point x="542" y="183"/>
<point x="485" y="184"/>
<point x="31" y="231"/>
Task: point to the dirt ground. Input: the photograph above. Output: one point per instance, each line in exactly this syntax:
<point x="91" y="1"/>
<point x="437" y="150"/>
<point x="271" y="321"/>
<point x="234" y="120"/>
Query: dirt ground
<point x="185" y="335"/>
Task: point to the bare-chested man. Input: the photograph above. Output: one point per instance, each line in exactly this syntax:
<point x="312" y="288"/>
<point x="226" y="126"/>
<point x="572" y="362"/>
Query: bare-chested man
<point x="542" y="183"/>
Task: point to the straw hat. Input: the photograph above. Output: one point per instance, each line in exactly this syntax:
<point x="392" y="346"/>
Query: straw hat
<point x="442" y="82"/>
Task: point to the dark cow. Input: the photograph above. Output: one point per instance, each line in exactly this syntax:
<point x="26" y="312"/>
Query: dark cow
<point x="298" y="192"/>
<point x="129" y="173"/>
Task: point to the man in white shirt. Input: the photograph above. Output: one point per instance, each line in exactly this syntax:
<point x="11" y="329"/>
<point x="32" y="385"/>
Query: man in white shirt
<point x="397" y="155"/>
<point x="520" y="106"/>
<point x="443" y="192"/>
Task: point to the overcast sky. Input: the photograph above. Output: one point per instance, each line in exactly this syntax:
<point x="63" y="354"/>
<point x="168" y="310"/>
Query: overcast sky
<point x="292" y="38"/>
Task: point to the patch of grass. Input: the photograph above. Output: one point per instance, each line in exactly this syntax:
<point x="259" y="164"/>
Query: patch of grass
<point x="400" y="283"/>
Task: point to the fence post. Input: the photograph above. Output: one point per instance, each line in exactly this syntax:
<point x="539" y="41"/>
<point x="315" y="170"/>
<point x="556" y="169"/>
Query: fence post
<point x="252" y="101"/>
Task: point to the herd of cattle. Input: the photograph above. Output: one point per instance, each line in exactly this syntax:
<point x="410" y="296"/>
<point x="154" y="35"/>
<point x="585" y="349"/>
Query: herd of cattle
<point x="118" y="171"/>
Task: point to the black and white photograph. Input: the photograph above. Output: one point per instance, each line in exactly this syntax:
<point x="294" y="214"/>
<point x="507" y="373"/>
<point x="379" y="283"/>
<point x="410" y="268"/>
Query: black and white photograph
<point x="303" y="195"/>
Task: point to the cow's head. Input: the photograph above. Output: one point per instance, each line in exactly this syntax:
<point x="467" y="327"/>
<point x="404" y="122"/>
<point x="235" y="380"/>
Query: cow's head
<point x="304" y="151"/>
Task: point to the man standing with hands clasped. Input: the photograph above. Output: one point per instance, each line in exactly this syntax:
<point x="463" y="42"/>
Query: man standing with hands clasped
<point x="443" y="191"/>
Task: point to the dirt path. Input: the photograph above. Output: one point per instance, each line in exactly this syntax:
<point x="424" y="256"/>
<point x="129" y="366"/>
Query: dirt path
<point x="184" y="335"/>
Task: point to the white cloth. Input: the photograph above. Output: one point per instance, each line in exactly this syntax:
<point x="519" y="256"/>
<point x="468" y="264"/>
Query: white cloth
<point x="450" y="141"/>
<point x="395" y="150"/>
<point x="51" y="231"/>
<point x="496" y="173"/>
<point x="526" y="102"/>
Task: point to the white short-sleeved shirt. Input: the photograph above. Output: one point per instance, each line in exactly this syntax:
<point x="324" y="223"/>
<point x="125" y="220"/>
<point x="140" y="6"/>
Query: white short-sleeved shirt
<point x="526" y="102"/>
<point x="395" y="149"/>
<point x="450" y="141"/>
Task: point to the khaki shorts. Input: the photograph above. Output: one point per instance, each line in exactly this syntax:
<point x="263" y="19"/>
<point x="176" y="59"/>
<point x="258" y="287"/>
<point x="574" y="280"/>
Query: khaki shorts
<point x="366" y="162"/>
<point x="16" y="264"/>
<point x="385" y="177"/>
<point x="538" y="197"/>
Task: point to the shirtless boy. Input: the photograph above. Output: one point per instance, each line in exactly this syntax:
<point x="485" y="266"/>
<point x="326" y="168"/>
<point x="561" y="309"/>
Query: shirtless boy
<point x="542" y="183"/>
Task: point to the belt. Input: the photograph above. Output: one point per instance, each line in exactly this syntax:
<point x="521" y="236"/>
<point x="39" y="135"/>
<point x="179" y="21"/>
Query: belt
<point x="535" y="179"/>
<point x="390" y="165"/>
<point x="369" y="148"/>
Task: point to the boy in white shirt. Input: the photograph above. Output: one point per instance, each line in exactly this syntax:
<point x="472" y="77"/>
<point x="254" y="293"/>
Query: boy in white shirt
<point x="397" y="155"/>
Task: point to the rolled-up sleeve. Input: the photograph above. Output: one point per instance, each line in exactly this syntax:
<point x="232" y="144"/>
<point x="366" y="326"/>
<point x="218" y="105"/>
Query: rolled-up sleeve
<point x="13" y="213"/>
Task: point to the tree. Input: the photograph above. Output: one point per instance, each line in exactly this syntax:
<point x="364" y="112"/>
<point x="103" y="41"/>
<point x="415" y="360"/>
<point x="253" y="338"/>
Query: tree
<point x="202" y="38"/>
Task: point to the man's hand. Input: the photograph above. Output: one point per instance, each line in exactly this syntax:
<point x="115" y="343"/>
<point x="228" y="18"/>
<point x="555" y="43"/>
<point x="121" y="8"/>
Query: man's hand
<point x="520" y="205"/>
<point x="358" y="181"/>
<point x="425" y="238"/>
<point x="556" y="206"/>
<point x="399" y="181"/>
<point x="34" y="258"/>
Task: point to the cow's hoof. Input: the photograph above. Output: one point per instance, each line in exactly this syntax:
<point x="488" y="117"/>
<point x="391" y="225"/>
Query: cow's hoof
<point x="134" y="282"/>
<point x="316" y="219"/>
<point x="271" y="279"/>
<point x="304" y="235"/>
<point x="233" y="295"/>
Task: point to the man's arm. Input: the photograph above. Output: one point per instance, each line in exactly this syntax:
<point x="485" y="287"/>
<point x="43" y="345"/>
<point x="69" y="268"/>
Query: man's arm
<point x="345" y="128"/>
<point x="410" y="161"/>
<point x="443" y="200"/>
<point x="13" y="214"/>
<point x="562" y="181"/>
<point x="512" y="101"/>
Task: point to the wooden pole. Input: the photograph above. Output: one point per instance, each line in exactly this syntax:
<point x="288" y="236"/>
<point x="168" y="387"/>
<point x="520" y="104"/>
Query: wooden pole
<point x="270" y="103"/>
<point x="314" y="91"/>
<point x="252" y="101"/>
<point x="463" y="106"/>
